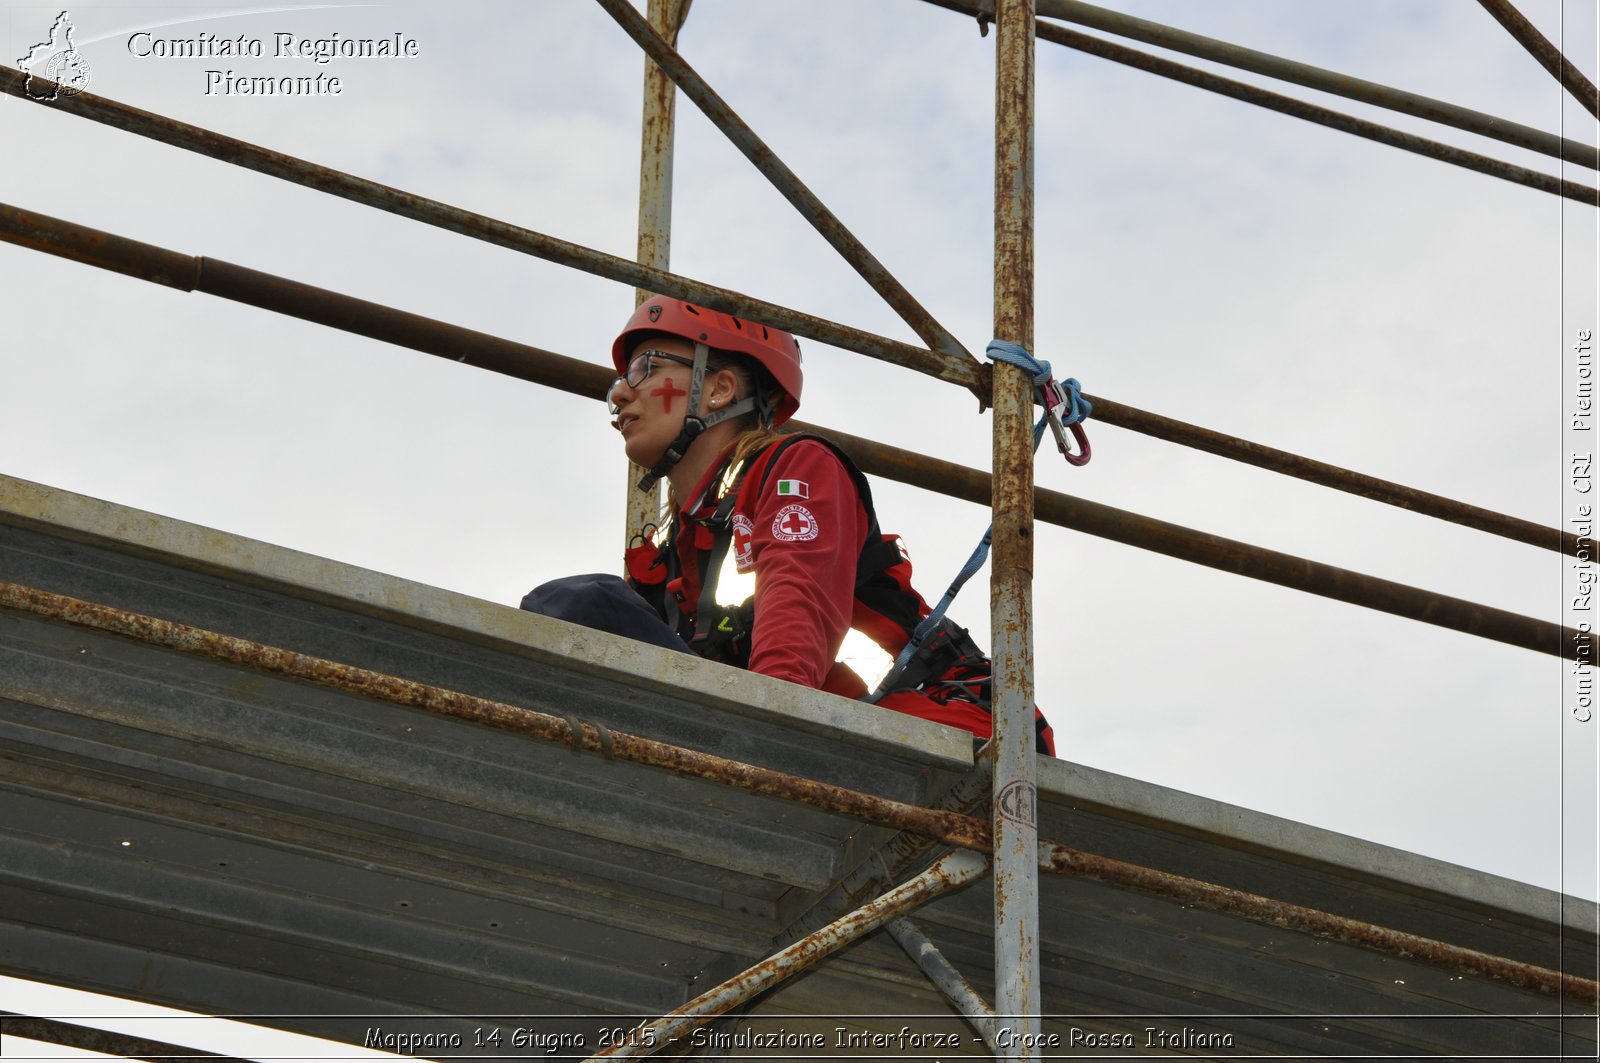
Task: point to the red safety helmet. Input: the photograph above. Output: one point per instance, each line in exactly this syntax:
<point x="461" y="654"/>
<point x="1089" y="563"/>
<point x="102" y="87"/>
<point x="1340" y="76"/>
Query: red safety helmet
<point x="773" y="348"/>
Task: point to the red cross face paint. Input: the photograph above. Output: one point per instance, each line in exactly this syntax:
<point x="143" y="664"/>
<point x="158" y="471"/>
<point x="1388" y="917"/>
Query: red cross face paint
<point x="667" y="392"/>
<point x="649" y="414"/>
<point x="794" y="524"/>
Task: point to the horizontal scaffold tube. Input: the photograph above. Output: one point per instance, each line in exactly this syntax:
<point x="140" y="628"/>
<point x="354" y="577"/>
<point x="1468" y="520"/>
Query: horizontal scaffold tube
<point x="1310" y="112"/>
<point x="952" y="828"/>
<point x="1227" y="555"/>
<point x="1340" y="479"/>
<point x="175" y="270"/>
<point x="963" y="371"/>
<point x="1061" y="860"/>
<point x="570" y="374"/>
<point x="1297" y="73"/>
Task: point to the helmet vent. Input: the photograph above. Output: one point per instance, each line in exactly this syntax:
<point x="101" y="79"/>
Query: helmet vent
<point x="691" y="309"/>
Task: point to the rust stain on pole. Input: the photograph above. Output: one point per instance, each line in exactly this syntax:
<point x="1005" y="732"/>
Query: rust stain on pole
<point x="642" y="509"/>
<point x="961" y="831"/>
<point x="656" y="147"/>
<point x="949" y="827"/>
<point x="1015" y="825"/>
<point x="874" y="875"/>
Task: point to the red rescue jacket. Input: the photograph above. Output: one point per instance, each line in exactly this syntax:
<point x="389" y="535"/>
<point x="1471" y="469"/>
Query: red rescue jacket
<point x="799" y="514"/>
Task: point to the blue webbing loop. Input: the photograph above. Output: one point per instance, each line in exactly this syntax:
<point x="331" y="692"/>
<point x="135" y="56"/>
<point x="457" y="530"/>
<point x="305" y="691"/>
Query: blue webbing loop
<point x="1078" y="408"/>
<point x="1063" y="402"/>
<point x="1016" y="354"/>
<point x="1068" y="407"/>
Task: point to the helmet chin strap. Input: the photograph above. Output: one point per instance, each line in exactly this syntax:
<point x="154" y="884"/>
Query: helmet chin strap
<point x="693" y="423"/>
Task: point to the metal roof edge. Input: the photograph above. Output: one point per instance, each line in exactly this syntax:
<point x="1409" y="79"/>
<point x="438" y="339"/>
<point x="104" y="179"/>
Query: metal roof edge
<point x="1122" y="795"/>
<point x="84" y="518"/>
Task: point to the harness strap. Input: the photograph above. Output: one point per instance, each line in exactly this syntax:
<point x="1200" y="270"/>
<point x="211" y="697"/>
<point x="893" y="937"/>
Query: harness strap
<point x="1062" y="406"/>
<point x="877" y="556"/>
<point x="706" y="612"/>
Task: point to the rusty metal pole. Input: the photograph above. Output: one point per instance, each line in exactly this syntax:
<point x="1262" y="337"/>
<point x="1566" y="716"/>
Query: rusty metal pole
<point x="1549" y="56"/>
<point x="643" y="508"/>
<point x="945" y="977"/>
<point x="1332" y="82"/>
<point x="483" y="351"/>
<point x="1016" y="872"/>
<point x="950" y="827"/>
<point x="959" y="370"/>
<point x="949" y="872"/>
<point x="788" y="184"/>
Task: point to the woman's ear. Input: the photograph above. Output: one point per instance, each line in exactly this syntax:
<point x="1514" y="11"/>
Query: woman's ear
<point x="721" y="387"/>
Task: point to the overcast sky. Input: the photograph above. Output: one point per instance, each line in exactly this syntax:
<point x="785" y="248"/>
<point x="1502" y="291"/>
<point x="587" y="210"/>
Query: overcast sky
<point x="1197" y="257"/>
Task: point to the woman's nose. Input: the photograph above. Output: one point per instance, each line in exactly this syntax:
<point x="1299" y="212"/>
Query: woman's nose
<point x="619" y="395"/>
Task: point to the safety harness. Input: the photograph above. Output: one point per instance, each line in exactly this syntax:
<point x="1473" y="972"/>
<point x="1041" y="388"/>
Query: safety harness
<point x="947" y="664"/>
<point x="722" y="632"/>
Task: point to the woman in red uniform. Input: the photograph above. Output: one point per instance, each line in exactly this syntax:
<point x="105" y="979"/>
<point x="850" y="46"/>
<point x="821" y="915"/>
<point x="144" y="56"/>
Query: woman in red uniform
<point x="699" y="396"/>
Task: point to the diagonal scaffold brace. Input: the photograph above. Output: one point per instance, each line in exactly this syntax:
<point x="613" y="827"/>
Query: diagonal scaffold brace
<point x="951" y="871"/>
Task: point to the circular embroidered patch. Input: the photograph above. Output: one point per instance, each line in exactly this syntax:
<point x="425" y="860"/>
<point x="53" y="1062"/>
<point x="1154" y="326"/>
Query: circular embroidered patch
<point x="794" y="524"/>
<point x="744" y="530"/>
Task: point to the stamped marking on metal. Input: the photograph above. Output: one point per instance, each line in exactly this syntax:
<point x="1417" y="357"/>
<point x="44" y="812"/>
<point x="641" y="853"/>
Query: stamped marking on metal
<point x="1016" y="802"/>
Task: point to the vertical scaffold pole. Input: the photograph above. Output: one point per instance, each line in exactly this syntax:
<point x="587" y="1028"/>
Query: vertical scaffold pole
<point x="655" y="213"/>
<point x="1016" y="870"/>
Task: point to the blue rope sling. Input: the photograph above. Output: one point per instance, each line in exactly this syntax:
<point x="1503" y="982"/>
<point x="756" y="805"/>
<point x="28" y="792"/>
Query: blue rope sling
<point x="1064" y="408"/>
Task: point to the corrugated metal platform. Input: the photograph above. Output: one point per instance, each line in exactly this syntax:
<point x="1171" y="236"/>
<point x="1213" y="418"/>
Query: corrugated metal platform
<point x="206" y="836"/>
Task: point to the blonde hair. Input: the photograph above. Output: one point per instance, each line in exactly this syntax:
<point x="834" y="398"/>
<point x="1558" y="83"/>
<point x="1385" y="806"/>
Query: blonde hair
<point x="755" y="438"/>
<point x="747" y="444"/>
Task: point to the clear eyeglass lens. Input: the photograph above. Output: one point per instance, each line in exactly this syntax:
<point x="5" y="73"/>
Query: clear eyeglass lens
<point x="640" y="368"/>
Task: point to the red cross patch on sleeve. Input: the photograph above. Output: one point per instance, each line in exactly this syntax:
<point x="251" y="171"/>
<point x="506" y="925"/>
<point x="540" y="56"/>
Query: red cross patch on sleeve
<point x="794" y="524"/>
<point x="744" y="530"/>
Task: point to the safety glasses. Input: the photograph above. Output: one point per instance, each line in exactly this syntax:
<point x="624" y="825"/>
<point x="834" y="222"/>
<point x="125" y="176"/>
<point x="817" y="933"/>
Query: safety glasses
<point x="639" y="369"/>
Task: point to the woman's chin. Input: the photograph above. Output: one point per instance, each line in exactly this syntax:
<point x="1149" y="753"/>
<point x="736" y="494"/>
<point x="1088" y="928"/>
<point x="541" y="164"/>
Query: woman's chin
<point x="640" y="455"/>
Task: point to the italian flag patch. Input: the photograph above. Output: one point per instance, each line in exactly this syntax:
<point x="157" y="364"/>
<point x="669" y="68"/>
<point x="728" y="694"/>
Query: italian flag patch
<point x="794" y="489"/>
